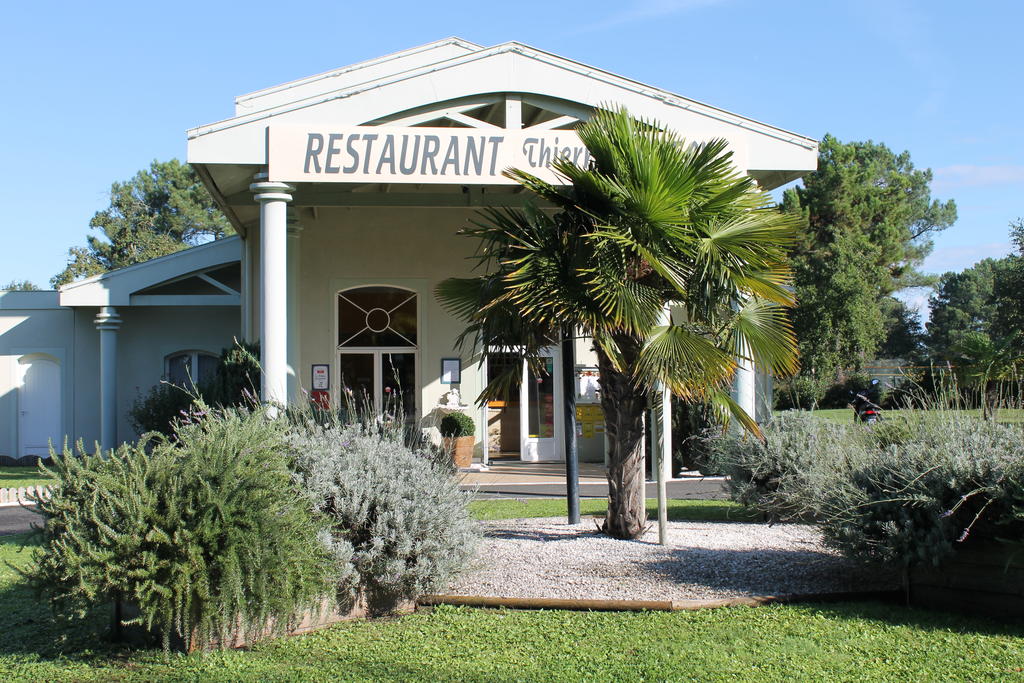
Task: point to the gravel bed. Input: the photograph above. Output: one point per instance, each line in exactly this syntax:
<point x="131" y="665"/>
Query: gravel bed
<point x="547" y="558"/>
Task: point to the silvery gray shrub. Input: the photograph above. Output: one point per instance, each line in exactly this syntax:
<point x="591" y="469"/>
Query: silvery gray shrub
<point x="909" y="491"/>
<point x="397" y="518"/>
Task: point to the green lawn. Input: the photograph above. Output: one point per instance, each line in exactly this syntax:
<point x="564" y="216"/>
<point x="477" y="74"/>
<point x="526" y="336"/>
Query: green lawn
<point x="845" y="415"/>
<point x="698" y="510"/>
<point x="855" y="641"/>
<point x="16" y="477"/>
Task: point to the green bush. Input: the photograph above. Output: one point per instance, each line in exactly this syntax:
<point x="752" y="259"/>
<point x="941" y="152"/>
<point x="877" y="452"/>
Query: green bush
<point x="802" y="392"/>
<point x="398" y="517"/>
<point x="839" y="394"/>
<point x="207" y="534"/>
<point x="235" y="383"/>
<point x="906" y="494"/>
<point x="454" y="425"/>
<point x="158" y="410"/>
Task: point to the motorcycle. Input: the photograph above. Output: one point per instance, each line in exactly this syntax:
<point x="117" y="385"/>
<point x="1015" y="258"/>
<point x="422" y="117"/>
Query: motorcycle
<point x="864" y="409"/>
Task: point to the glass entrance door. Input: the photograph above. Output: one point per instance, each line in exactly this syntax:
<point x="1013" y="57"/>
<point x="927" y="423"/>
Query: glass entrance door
<point x="541" y="420"/>
<point x="358" y="372"/>
<point x="383" y="382"/>
<point x="398" y="382"/>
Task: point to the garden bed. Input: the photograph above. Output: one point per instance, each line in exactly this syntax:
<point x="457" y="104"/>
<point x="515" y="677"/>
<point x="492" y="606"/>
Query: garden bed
<point x="547" y="558"/>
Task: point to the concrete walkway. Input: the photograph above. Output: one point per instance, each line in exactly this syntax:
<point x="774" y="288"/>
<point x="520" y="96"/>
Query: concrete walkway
<point x="518" y="472"/>
<point x="516" y="479"/>
<point x="17" y="520"/>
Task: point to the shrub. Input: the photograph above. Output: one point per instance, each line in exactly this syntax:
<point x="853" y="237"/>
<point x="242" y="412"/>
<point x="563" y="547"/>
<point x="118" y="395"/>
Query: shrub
<point x="207" y="535"/>
<point x="454" y="425"/>
<point x="235" y="383"/>
<point x="159" y="409"/>
<point x="840" y="394"/>
<point x="904" y="495"/>
<point x="801" y="392"/>
<point x="400" y="518"/>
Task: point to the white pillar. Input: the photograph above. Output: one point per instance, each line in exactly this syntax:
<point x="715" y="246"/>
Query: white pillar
<point x="248" y="334"/>
<point x="273" y="199"/>
<point x="108" y="323"/>
<point x="294" y="339"/>
<point x="744" y="389"/>
<point x="485" y="414"/>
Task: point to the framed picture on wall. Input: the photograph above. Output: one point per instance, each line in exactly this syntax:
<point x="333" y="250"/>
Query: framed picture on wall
<point x="451" y="371"/>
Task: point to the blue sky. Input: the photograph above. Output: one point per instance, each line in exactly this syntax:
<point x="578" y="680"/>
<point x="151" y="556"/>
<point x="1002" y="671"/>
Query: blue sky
<point x="93" y="92"/>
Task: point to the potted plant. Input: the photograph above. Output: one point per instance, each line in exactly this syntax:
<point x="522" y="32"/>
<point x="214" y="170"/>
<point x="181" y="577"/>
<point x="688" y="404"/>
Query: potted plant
<point x="457" y="430"/>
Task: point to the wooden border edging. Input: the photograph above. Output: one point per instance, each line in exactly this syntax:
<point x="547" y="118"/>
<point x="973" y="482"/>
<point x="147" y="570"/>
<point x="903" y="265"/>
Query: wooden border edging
<point x="648" y="605"/>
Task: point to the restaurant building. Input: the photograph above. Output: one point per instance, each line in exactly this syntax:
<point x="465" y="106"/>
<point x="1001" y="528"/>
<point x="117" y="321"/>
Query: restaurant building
<point x="347" y="189"/>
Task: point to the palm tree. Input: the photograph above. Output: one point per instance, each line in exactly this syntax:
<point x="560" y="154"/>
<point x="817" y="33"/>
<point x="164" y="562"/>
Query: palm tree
<point x="986" y="364"/>
<point x="651" y="225"/>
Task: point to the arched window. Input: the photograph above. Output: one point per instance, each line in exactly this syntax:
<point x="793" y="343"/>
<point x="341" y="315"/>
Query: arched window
<point x="187" y="368"/>
<point x="377" y="316"/>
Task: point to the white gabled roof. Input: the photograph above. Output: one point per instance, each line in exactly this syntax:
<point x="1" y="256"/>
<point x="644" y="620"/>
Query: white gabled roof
<point x="345" y="77"/>
<point x="509" y="67"/>
<point x="116" y="287"/>
<point x="228" y="153"/>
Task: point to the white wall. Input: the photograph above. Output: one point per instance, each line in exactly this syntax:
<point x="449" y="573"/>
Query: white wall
<point x="31" y="322"/>
<point x="150" y="334"/>
<point x="411" y="248"/>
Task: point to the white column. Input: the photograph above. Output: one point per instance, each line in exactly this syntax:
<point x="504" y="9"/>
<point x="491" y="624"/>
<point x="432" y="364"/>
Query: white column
<point x="744" y="389"/>
<point x="246" y="293"/>
<point x="108" y="323"/>
<point x="273" y="199"/>
<point x="294" y="324"/>
<point x="485" y="442"/>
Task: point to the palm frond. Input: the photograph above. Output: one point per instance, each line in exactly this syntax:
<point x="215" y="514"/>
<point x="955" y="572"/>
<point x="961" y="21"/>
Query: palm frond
<point x="683" y="360"/>
<point x="762" y="332"/>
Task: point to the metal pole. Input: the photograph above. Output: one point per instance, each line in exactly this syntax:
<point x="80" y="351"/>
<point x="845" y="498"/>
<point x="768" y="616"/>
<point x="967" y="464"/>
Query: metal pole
<point x="664" y="464"/>
<point x="485" y="413"/>
<point x="572" y="466"/>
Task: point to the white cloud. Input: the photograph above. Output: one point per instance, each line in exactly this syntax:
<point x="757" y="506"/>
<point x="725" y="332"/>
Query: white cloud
<point x="647" y="9"/>
<point x="969" y="175"/>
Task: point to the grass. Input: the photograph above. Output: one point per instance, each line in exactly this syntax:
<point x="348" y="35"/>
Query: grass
<point x="678" y="510"/>
<point x="855" y="641"/>
<point x="17" y="477"/>
<point x="845" y="415"/>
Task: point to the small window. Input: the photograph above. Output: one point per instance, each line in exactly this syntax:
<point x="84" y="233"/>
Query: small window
<point x="187" y="368"/>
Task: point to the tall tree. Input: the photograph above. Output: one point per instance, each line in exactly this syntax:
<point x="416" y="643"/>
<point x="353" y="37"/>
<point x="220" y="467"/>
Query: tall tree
<point x="161" y="210"/>
<point x="963" y="303"/>
<point x="1008" y="294"/>
<point x="650" y="223"/>
<point x="904" y="332"/>
<point x="869" y="220"/>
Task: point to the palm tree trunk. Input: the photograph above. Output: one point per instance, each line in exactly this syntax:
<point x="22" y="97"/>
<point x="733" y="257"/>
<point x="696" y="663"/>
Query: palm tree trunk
<point x="623" y="405"/>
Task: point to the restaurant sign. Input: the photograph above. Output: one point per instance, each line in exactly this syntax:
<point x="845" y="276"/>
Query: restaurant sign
<point x="379" y="154"/>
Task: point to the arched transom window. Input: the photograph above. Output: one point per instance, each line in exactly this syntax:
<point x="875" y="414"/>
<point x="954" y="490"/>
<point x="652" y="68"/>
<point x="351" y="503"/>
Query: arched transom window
<point x="377" y="316"/>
